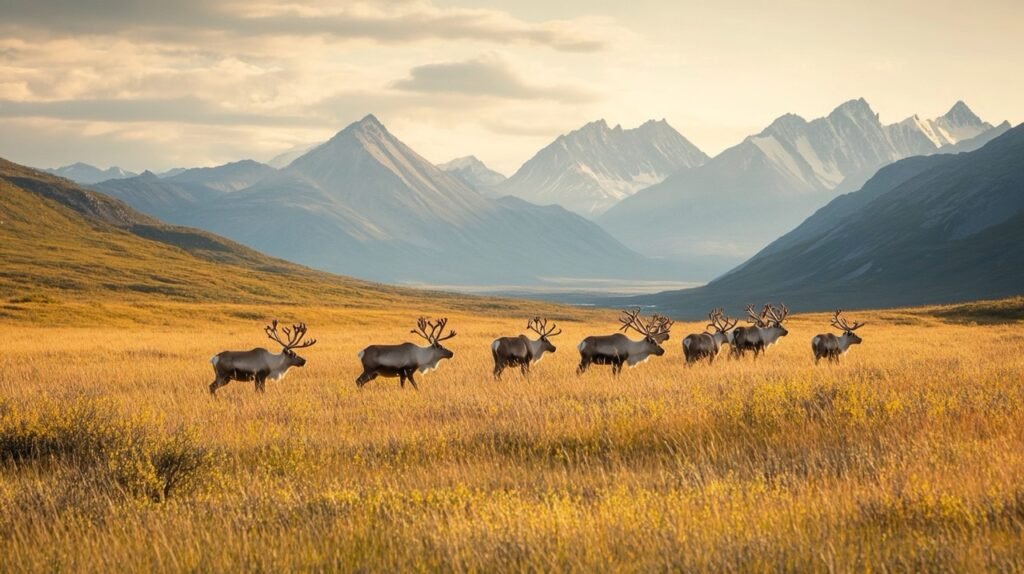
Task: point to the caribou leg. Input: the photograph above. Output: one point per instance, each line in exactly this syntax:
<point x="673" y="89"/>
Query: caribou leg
<point x="498" y="368"/>
<point x="216" y="384"/>
<point x="412" y="381"/>
<point x="366" y="377"/>
<point x="583" y="367"/>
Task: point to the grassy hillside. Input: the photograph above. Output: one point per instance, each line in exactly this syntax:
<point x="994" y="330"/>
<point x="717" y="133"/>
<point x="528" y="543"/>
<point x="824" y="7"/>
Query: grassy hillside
<point x="905" y="457"/>
<point x="71" y="255"/>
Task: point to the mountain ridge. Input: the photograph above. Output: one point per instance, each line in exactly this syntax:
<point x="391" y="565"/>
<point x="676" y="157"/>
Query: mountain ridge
<point x="593" y="167"/>
<point x="724" y="211"/>
<point x="365" y="204"/>
<point x="924" y="230"/>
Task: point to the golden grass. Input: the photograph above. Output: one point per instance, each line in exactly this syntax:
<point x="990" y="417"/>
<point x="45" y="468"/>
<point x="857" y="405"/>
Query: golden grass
<point x="907" y="456"/>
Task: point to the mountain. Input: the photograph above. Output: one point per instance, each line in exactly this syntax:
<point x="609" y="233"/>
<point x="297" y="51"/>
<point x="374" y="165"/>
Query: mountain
<point x="593" y="168"/>
<point x="60" y="238"/>
<point x="86" y="174"/>
<point x="473" y="173"/>
<point x="365" y="204"/>
<point x="714" y="216"/>
<point x="224" y="178"/>
<point x="172" y="172"/>
<point x="72" y="255"/>
<point x="173" y="198"/>
<point x="283" y="159"/>
<point x="933" y="229"/>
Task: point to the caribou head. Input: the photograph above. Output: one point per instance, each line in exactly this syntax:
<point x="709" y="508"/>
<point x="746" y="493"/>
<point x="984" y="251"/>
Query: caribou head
<point x="431" y="331"/>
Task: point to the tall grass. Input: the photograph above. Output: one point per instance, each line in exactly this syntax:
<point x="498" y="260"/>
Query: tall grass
<point x="906" y="456"/>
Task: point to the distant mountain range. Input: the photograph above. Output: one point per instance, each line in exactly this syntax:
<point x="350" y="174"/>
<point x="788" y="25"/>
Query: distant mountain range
<point x="75" y="254"/>
<point x="593" y="168"/>
<point x="929" y="229"/>
<point x="85" y="174"/>
<point x="58" y="237"/>
<point x="365" y="204"/>
<point x="714" y="216"/>
<point x="473" y="173"/>
<point x="172" y="198"/>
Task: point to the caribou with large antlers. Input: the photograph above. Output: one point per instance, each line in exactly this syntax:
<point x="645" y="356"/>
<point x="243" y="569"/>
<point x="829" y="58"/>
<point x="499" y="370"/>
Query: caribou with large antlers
<point x="766" y="330"/>
<point x="521" y="351"/>
<point x="709" y="344"/>
<point x="827" y="345"/>
<point x="260" y="364"/>
<point x="404" y="360"/>
<point x="617" y="349"/>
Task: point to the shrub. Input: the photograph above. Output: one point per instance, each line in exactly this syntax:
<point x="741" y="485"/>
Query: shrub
<point x="94" y="438"/>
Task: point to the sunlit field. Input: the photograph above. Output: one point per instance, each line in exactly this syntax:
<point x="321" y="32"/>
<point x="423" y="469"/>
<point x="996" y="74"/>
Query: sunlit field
<point x="909" y="455"/>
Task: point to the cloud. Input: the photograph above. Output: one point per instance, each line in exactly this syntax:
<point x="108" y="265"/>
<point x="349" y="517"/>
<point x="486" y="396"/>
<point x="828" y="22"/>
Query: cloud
<point x="151" y="83"/>
<point x="187" y="110"/>
<point x="488" y="76"/>
<point x="385" y="22"/>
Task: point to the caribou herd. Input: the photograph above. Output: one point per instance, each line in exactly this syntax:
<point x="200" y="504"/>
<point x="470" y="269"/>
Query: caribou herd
<point x="404" y="360"/>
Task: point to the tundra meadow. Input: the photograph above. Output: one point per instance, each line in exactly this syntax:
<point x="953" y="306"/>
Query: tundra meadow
<point x="906" y="456"/>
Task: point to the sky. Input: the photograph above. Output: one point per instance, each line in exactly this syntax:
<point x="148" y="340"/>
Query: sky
<point x="152" y="84"/>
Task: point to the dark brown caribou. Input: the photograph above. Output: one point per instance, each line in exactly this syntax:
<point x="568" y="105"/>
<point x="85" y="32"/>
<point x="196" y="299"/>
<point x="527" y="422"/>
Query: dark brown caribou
<point x="260" y="364"/>
<point x="404" y="360"/>
<point x="708" y="345"/>
<point x="618" y="349"/>
<point x="831" y="347"/>
<point x="521" y="351"/>
<point x="766" y="330"/>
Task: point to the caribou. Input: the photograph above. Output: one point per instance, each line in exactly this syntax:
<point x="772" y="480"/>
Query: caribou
<point x="617" y="349"/>
<point x="766" y="330"/>
<point x="709" y="344"/>
<point x="260" y="364"/>
<point x="827" y="345"/>
<point x="404" y="360"/>
<point x="521" y="351"/>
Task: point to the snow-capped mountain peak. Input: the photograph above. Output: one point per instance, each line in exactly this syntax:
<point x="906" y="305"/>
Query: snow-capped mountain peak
<point x="591" y="168"/>
<point x="768" y="183"/>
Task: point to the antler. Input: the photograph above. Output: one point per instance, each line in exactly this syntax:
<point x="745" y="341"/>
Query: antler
<point x="440" y="328"/>
<point x="294" y="335"/>
<point x="757" y="320"/>
<point x="653" y="327"/>
<point x="629" y="319"/>
<point x="776" y="314"/>
<point x="540" y="326"/>
<point x="840" y="322"/>
<point x="430" y="330"/>
<point x="720" y="321"/>
<point x="659" y="324"/>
